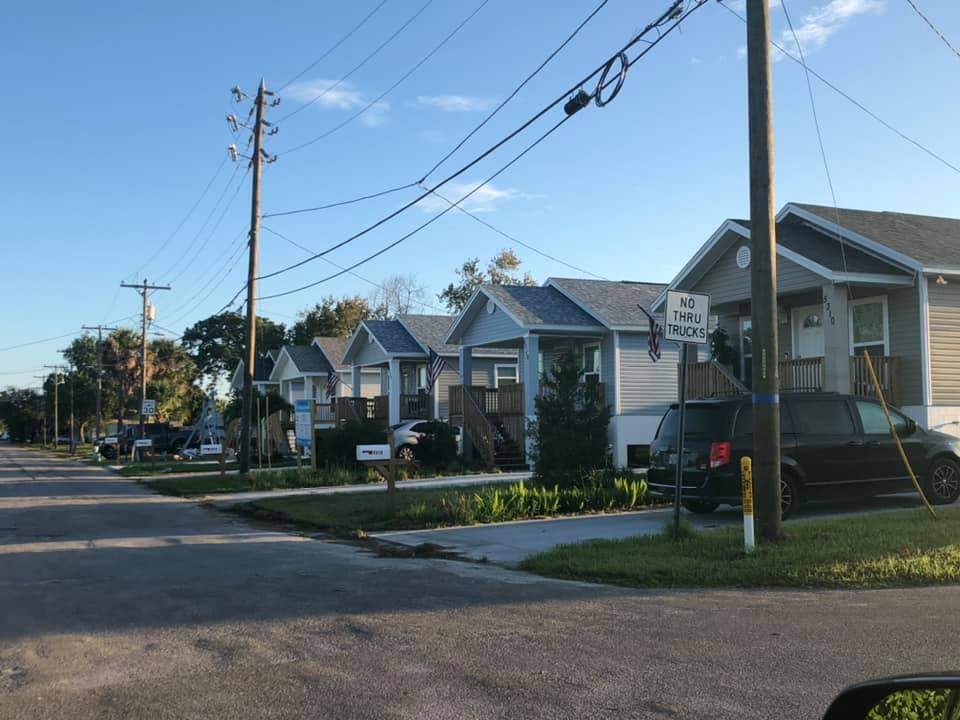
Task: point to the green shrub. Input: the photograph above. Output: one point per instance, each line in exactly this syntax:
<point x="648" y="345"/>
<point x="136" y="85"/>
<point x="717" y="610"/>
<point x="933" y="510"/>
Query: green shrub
<point x="438" y="445"/>
<point x="570" y="432"/>
<point x="338" y="446"/>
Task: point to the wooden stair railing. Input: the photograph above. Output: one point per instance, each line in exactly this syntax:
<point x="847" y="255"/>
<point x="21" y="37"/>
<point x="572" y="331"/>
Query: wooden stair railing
<point x="478" y="428"/>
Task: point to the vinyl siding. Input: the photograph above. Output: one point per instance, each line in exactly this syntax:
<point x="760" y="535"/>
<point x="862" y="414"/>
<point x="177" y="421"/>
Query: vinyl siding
<point x="487" y="329"/>
<point x="646" y="388"/>
<point x="725" y="282"/>
<point x="608" y="370"/>
<point x="944" y="303"/>
<point x="368" y="353"/>
<point x="903" y="309"/>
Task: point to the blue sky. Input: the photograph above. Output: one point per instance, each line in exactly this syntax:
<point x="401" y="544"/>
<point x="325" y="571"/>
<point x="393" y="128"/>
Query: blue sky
<point x="116" y="122"/>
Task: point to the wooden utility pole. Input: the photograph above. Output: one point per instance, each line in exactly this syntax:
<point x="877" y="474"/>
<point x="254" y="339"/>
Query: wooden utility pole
<point x="99" y="329"/>
<point x="56" y="403"/>
<point x="43" y="387"/>
<point x="144" y="291"/>
<point x="250" y="356"/>
<point x="73" y="434"/>
<point x="763" y="274"/>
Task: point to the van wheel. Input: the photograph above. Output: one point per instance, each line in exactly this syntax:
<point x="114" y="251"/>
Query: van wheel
<point x="790" y="499"/>
<point x="406" y="453"/>
<point x="942" y="485"/>
<point x="700" y="507"/>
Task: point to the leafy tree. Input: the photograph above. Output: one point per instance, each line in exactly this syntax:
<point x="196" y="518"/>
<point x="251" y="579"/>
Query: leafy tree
<point x="501" y="270"/>
<point x="570" y="432"/>
<point x="21" y="412"/>
<point x="173" y="377"/>
<point x="121" y="360"/>
<point x="330" y="317"/>
<point x="217" y="342"/>
<point x="398" y="295"/>
<point x="81" y="353"/>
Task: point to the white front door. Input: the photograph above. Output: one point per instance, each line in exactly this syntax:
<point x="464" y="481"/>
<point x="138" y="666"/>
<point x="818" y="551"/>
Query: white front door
<point x="808" y="332"/>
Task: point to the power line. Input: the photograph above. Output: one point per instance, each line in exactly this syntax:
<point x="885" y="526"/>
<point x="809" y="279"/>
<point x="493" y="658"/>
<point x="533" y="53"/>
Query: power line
<point x="233" y="257"/>
<point x="359" y="65"/>
<point x="432" y="220"/>
<point x="333" y="47"/>
<point x="902" y="135"/>
<point x="517" y="241"/>
<point x="390" y="89"/>
<point x="935" y="29"/>
<point x="516" y="90"/>
<point x="673" y="12"/>
<point x="56" y="337"/>
<point x="342" y="202"/>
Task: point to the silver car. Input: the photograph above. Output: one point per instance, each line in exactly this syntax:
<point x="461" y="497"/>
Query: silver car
<point x="407" y="436"/>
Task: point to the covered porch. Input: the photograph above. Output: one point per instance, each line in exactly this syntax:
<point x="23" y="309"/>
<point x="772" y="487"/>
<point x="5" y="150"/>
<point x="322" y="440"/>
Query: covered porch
<point x="403" y="395"/>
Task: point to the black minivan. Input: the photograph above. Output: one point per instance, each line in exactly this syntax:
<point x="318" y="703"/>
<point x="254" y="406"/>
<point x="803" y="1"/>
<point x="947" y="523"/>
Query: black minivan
<point x="831" y="445"/>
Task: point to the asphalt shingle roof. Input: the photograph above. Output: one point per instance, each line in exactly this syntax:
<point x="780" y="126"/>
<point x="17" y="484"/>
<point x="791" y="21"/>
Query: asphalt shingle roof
<point x="614" y="302"/>
<point x="825" y="250"/>
<point x="393" y="337"/>
<point x="430" y="331"/>
<point x="334" y="348"/>
<point x="262" y="368"/>
<point x="308" y="359"/>
<point x="534" y="306"/>
<point x="934" y="241"/>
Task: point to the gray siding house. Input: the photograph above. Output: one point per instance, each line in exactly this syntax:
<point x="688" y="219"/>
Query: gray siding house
<point x="598" y="320"/>
<point x="883" y="282"/>
<point x="398" y="351"/>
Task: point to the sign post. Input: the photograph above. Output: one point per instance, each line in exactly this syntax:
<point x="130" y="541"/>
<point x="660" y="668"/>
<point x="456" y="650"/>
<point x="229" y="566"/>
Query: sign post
<point x="313" y="434"/>
<point x="746" y="481"/>
<point x="685" y="321"/>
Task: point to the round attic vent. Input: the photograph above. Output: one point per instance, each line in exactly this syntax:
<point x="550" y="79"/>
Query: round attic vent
<point x="370" y="339"/>
<point x="491" y="307"/>
<point x="743" y="257"/>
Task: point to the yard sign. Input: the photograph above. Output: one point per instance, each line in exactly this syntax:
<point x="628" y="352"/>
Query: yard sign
<point x="304" y="427"/>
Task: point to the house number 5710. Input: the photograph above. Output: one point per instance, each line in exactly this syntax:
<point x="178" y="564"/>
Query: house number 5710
<point x="829" y="310"/>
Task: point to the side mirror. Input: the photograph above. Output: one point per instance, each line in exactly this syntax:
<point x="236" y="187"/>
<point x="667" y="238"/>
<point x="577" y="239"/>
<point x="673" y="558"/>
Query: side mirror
<point x="923" y="697"/>
<point x="911" y="427"/>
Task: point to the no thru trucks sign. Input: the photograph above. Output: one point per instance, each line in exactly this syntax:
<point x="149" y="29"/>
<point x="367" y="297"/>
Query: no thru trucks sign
<point x="686" y="317"/>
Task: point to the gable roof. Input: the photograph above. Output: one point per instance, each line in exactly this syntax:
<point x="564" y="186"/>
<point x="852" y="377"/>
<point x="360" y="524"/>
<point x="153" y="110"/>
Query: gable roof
<point x="261" y="369"/>
<point x="333" y="348"/>
<point x="393" y="337"/>
<point x="614" y="303"/>
<point x="307" y="358"/>
<point x="931" y="241"/>
<point x="539" y="306"/>
<point x="429" y="331"/>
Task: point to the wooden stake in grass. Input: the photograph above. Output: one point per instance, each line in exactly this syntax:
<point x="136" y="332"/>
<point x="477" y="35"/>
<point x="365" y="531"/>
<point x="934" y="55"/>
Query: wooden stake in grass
<point x="893" y="433"/>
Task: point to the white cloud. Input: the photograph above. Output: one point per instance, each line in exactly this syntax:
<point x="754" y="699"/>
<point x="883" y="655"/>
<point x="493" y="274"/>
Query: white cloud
<point x="483" y="200"/>
<point x="331" y="95"/>
<point x="823" y="21"/>
<point x="455" y="103"/>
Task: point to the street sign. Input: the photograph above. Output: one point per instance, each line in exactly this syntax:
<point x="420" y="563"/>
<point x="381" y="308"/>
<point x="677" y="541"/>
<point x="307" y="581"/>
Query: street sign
<point x="211" y="449"/>
<point x="373" y="452"/>
<point x="149" y="408"/>
<point x="302" y="423"/>
<point x="143" y="442"/>
<point x="110" y="440"/>
<point x="686" y="317"/>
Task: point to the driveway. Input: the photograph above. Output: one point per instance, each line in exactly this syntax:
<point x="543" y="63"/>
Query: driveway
<point x="510" y="542"/>
<point x="117" y="603"/>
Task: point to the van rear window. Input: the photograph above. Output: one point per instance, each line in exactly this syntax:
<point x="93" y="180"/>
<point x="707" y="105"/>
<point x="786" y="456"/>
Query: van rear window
<point x="744" y="426"/>
<point x="701" y="420"/>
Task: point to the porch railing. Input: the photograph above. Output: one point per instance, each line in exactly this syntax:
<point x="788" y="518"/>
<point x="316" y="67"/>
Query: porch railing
<point x="801" y="374"/>
<point x="476" y="423"/>
<point x="326" y="413"/>
<point x="416" y="407"/>
<point x="711" y="379"/>
<point x="862" y="384"/>
<point x="381" y="407"/>
<point x="507" y="400"/>
<point x="356" y="408"/>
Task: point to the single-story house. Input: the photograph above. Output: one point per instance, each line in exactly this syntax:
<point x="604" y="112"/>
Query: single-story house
<point x="261" y="373"/>
<point x="399" y="351"/>
<point x="601" y="321"/>
<point x="848" y="282"/>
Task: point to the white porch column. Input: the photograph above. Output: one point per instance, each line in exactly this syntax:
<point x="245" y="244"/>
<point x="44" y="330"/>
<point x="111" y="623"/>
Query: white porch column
<point x="530" y="370"/>
<point x="394" y="412"/>
<point x="356" y="380"/>
<point x="836" y="339"/>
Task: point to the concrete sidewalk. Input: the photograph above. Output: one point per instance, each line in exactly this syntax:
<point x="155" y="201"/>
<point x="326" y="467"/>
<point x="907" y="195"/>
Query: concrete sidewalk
<point x="223" y="499"/>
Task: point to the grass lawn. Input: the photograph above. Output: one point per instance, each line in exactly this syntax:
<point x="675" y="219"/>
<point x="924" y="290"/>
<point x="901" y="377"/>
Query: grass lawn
<point x="211" y="482"/>
<point x="355" y="514"/>
<point x="888" y="549"/>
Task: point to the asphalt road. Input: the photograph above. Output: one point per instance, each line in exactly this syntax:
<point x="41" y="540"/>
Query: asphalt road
<point x="115" y="603"/>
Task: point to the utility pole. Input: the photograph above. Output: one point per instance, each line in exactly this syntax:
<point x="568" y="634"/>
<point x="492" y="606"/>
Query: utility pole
<point x="43" y="387"/>
<point x="56" y="403"/>
<point x="763" y="273"/>
<point x="99" y="329"/>
<point x="252" y="270"/>
<point x="144" y="290"/>
<point x="73" y="435"/>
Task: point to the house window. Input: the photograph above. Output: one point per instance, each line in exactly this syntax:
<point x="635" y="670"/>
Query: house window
<point x="869" y="326"/>
<point x="505" y="375"/>
<point x="746" y="351"/>
<point x="421" y="379"/>
<point x="591" y="363"/>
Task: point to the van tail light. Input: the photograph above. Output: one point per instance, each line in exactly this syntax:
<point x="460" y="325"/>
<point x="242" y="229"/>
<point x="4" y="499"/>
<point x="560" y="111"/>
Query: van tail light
<point x="719" y="454"/>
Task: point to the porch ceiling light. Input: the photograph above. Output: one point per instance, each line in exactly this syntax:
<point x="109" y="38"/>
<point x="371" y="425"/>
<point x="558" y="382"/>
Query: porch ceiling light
<point x="941" y="280"/>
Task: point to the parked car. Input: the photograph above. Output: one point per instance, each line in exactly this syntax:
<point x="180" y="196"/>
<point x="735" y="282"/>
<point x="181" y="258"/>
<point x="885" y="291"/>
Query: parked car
<point x="407" y="436"/>
<point x="831" y="445"/>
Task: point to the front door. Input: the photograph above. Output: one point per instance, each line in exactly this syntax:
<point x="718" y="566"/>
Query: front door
<point x="808" y="332"/>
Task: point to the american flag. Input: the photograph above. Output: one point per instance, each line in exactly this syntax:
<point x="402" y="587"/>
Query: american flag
<point x="332" y="381"/>
<point x="654" y="336"/>
<point x="434" y="368"/>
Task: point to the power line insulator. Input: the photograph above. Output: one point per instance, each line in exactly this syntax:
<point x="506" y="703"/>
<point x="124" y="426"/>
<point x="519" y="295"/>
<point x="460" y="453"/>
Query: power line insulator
<point x="232" y="149"/>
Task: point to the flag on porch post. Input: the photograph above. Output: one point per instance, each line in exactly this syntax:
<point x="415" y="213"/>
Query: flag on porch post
<point x="332" y="381"/>
<point x="435" y="365"/>
<point x="654" y="336"/>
